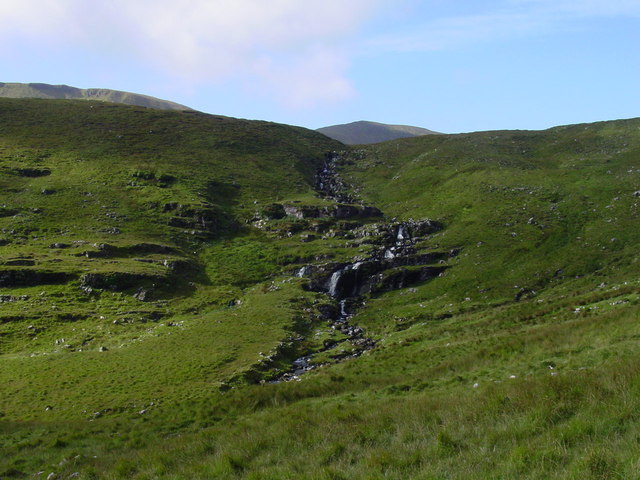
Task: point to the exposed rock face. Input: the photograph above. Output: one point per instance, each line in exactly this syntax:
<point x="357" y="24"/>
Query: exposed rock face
<point x="117" y="281"/>
<point x="30" y="278"/>
<point x="339" y="212"/>
<point x="329" y="183"/>
<point x="394" y="262"/>
<point x="203" y="219"/>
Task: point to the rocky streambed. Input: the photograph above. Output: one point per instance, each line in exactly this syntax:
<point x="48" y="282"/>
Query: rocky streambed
<point x="395" y="260"/>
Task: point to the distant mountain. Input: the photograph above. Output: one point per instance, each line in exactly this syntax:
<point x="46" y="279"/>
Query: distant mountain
<point x="363" y="132"/>
<point x="44" y="90"/>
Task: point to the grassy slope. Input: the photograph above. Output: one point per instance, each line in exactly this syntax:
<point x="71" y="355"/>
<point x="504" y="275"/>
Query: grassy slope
<point x="113" y="167"/>
<point x="466" y="382"/>
<point x="43" y="90"/>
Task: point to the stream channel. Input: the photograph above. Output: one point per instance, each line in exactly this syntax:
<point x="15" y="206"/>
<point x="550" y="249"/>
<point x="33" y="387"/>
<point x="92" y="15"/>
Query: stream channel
<point x="393" y="263"/>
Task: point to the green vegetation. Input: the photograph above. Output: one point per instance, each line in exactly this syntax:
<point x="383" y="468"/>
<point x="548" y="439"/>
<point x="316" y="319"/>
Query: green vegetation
<point x="43" y="90"/>
<point x="149" y="294"/>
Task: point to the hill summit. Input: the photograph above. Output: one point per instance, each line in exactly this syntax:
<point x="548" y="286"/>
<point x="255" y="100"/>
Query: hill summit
<point x="364" y="132"/>
<point x="44" y="90"/>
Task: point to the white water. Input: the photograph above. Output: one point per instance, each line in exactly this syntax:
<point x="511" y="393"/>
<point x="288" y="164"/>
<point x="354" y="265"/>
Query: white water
<point x="343" y="311"/>
<point x="304" y="271"/>
<point x="333" y="282"/>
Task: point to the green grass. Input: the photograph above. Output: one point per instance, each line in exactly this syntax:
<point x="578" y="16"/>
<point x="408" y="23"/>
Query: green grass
<point x="520" y="361"/>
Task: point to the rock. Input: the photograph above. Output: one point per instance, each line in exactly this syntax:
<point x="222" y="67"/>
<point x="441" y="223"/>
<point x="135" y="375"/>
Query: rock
<point x="118" y="281"/>
<point x="141" y="294"/>
<point x="151" y="248"/>
<point x="329" y="311"/>
<point x="59" y="245"/>
<point x="275" y="211"/>
<point x="30" y="278"/>
<point x="20" y="262"/>
<point x="180" y="266"/>
<point x="202" y="218"/>
<point x="47" y="191"/>
<point x="103" y="349"/>
<point x="329" y="343"/>
<point x="33" y="172"/>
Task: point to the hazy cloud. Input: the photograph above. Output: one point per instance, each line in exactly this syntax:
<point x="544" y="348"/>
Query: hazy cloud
<point x="295" y="49"/>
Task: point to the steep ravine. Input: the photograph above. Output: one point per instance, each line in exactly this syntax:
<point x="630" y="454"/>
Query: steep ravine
<point x="394" y="261"/>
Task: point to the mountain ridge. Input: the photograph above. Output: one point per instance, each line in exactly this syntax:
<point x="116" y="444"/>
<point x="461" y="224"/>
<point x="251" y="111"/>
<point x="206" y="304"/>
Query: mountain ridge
<point x="44" y="90"/>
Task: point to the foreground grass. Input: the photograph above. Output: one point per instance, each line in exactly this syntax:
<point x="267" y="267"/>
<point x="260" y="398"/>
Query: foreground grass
<point x="573" y="421"/>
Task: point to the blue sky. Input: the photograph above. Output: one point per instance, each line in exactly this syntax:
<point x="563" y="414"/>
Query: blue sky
<point x="447" y="65"/>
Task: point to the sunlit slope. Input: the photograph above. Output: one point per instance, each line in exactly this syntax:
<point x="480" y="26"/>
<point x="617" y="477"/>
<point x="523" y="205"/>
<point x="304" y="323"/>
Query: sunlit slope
<point x="98" y="197"/>
<point x="44" y="90"/>
<point x="530" y="209"/>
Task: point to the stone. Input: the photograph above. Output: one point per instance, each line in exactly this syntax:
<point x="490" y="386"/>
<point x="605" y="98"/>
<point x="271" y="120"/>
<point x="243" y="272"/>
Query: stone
<point x="141" y="294"/>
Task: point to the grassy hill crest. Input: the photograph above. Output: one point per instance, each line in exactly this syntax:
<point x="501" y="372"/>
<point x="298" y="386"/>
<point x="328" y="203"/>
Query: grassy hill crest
<point x="43" y="90"/>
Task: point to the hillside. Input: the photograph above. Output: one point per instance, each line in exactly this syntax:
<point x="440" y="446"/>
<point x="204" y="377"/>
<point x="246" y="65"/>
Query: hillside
<point x="194" y="296"/>
<point x="363" y="132"/>
<point x="43" y="90"/>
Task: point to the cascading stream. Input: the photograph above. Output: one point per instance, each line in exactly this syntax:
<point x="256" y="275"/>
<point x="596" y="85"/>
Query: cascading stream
<point x="347" y="282"/>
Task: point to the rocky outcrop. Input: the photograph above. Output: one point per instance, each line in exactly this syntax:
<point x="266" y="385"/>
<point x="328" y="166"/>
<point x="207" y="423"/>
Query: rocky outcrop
<point x="202" y="219"/>
<point x="30" y="278"/>
<point x="119" y="281"/>
<point x="328" y="182"/>
<point x="338" y="212"/>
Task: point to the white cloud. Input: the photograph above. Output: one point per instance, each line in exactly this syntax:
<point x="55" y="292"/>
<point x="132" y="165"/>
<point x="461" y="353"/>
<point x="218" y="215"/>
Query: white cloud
<point x="317" y="78"/>
<point x="295" y="48"/>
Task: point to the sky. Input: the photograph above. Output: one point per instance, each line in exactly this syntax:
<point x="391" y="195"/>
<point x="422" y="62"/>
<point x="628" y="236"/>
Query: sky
<point x="447" y="65"/>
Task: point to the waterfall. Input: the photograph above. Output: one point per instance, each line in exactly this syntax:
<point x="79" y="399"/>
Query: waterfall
<point x="333" y="282"/>
<point x="343" y="310"/>
<point x="304" y="271"/>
